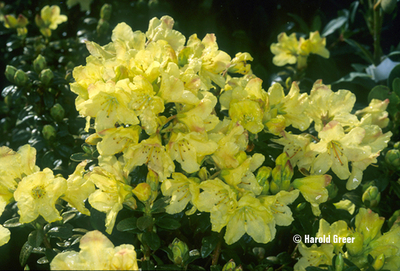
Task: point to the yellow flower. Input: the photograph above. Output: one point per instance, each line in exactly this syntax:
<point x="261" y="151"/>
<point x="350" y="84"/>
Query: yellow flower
<point x="151" y="152"/>
<point x="338" y="229"/>
<point x="315" y="45"/>
<point x="336" y="149"/>
<point x="253" y="218"/>
<point x="115" y="140"/>
<point x="13" y="167"/>
<point x="143" y="101"/>
<point x="249" y="114"/>
<point x="190" y="149"/>
<point x="277" y="204"/>
<point x="108" y="104"/>
<point x="375" y="113"/>
<point x="314" y="256"/>
<point x="161" y="29"/>
<point x="97" y="252"/>
<point x="4" y="235"/>
<point x="313" y="190"/>
<point x="326" y="105"/>
<point x="230" y="143"/>
<point x="181" y="189"/>
<point x="49" y="19"/>
<point x="113" y="190"/>
<point x="78" y="189"/>
<point x="242" y="177"/>
<point x="291" y="107"/>
<point x="37" y="194"/>
<point x="285" y="50"/>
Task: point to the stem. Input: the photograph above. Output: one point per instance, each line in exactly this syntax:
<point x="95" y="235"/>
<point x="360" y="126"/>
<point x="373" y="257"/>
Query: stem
<point x="217" y="250"/>
<point x="377" y="13"/>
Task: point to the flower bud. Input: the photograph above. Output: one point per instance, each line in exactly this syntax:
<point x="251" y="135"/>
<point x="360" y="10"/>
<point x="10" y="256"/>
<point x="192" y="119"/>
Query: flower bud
<point x="10" y="21"/>
<point x="10" y="73"/>
<point x="180" y="252"/>
<point x="371" y="197"/>
<point x="339" y="262"/>
<point x="142" y="191"/>
<point x="21" y="78"/>
<point x="392" y="157"/>
<point x="39" y="64"/>
<point x="231" y="266"/>
<point x="105" y="12"/>
<point x="102" y="27"/>
<point x="57" y="112"/>
<point x="22" y="21"/>
<point x="388" y="6"/>
<point x="379" y="262"/>
<point x="203" y="174"/>
<point x="46" y="76"/>
<point x="49" y="132"/>
<point x="281" y="174"/>
<point x="332" y="190"/>
<point x="396" y="145"/>
<point x="263" y="174"/>
<point x="355" y="247"/>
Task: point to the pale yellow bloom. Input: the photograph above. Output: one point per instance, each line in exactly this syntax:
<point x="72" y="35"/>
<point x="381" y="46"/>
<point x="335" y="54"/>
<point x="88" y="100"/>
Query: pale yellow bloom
<point x="285" y="50"/>
<point x="51" y="16"/>
<point x="96" y="253"/>
<point x="37" y="194"/>
<point x="338" y="230"/>
<point x="277" y="204"/>
<point x="4" y="235"/>
<point x="253" y="218"/>
<point x="78" y="189"/>
<point x="314" y="256"/>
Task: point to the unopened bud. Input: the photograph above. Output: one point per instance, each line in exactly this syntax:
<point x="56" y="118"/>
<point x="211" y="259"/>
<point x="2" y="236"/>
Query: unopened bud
<point x="102" y="27"/>
<point x="39" y="21"/>
<point x="46" y="76"/>
<point x="262" y="177"/>
<point x="49" y="132"/>
<point x="57" y="112"/>
<point x="332" y="190"/>
<point x="379" y="262"/>
<point x="281" y="174"/>
<point x="22" y="21"/>
<point x="21" y="78"/>
<point x="105" y="12"/>
<point x="39" y="64"/>
<point x="371" y="197"/>
<point x="10" y="21"/>
<point x="392" y="157"/>
<point x="339" y="262"/>
<point x="10" y="73"/>
<point x="142" y="191"/>
<point x="388" y="6"/>
<point x="180" y="252"/>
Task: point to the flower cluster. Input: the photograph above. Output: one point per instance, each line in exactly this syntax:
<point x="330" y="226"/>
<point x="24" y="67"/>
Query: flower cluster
<point x="290" y="50"/>
<point x="366" y="240"/>
<point x="126" y="92"/>
<point x="188" y="112"/>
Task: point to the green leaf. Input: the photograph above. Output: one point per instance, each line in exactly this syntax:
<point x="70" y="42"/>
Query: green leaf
<point x="159" y="205"/>
<point x="151" y="239"/>
<point x="208" y="245"/>
<point x="215" y="268"/>
<point x="12" y="223"/>
<point x="395" y="72"/>
<point x="144" y="222"/>
<point x="168" y="223"/>
<point x="35" y="238"/>
<point x="127" y="224"/>
<point x="367" y="54"/>
<point x="396" y="86"/>
<point x="379" y="92"/>
<point x="80" y="156"/>
<point x="63" y="232"/>
<point x="26" y="251"/>
<point x="333" y="25"/>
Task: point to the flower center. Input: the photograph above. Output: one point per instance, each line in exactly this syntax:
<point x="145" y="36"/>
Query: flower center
<point x="337" y="150"/>
<point x="38" y="192"/>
